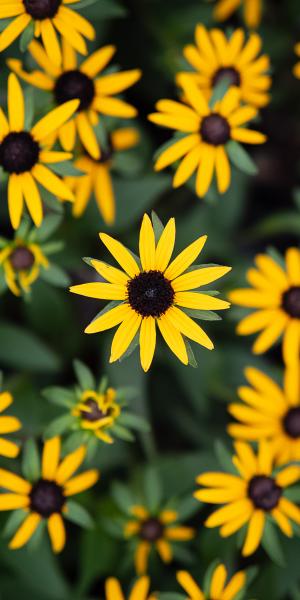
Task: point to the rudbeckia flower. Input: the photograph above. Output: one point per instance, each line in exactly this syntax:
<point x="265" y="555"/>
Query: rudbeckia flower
<point x="216" y="57"/>
<point x="23" y="158"/>
<point x="97" y="413"/>
<point x="154" y="531"/>
<point x="208" y="130"/>
<point x="98" y="177"/>
<point x="8" y="425"/>
<point x="22" y="262"/>
<point x="269" y="412"/>
<point x="218" y="588"/>
<point x="152" y="292"/>
<point x="71" y="81"/>
<point x="252" y="10"/>
<point x="297" y="66"/>
<point x="139" y="591"/>
<point x="252" y="497"/>
<point x="46" y="499"/>
<point x="275" y="293"/>
<point x="47" y="17"/>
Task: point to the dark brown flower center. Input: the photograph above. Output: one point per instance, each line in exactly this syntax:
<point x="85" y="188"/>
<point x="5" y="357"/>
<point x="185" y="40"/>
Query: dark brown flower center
<point x="72" y="85"/>
<point x="230" y="73"/>
<point x="291" y="302"/>
<point x="94" y="413"/>
<point x="21" y="258"/>
<point x="151" y="530"/>
<point x="19" y="152"/>
<point x="264" y="492"/>
<point x="291" y="422"/>
<point x="42" y="9"/>
<point x="215" y="130"/>
<point x="150" y="294"/>
<point x="46" y="498"/>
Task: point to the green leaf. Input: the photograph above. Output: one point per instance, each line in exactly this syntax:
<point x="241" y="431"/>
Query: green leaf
<point x="78" y="514"/>
<point x="53" y="247"/>
<point x="22" y="350"/>
<point x="59" y="396"/>
<point x="66" y="169"/>
<point x="277" y="256"/>
<point x="31" y="465"/>
<point x="49" y="225"/>
<point x="58" y="426"/>
<point x="122" y="433"/>
<point x="29" y="107"/>
<point x="122" y="496"/>
<point x="55" y="276"/>
<point x="224" y="457"/>
<point x="157" y="225"/>
<point x="203" y="315"/>
<point x="192" y="359"/>
<point x="219" y="91"/>
<point x="4" y="23"/>
<point x="134" y="422"/>
<point x="84" y="375"/>
<point x="208" y="575"/>
<point x="240" y="158"/>
<point x="152" y="489"/>
<point x="187" y="508"/>
<point x="13" y="522"/>
<point x="104" y="9"/>
<point x="271" y="544"/>
<point x="74" y="440"/>
<point x="27" y="36"/>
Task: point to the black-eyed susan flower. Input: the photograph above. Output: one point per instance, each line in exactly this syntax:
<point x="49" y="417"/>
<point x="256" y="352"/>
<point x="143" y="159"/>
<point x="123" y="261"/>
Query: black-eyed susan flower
<point x="8" y="425"/>
<point x="154" y="530"/>
<point x="252" y="10"/>
<point x="216" y="57"/>
<point x="219" y="588"/>
<point x="96" y="412"/>
<point x="95" y="91"/>
<point x="251" y="497"/>
<point x="47" y="17"/>
<point x="139" y="590"/>
<point x="275" y="293"/>
<point x="98" y="178"/>
<point x="46" y="498"/>
<point x="152" y="291"/>
<point x="205" y="147"/>
<point x="269" y="412"/>
<point x="24" y="159"/>
<point x="297" y="66"/>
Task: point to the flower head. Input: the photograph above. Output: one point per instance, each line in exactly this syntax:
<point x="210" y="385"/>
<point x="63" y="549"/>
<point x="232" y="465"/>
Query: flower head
<point x="209" y="131"/>
<point x="253" y="496"/>
<point x="22" y="262"/>
<point x="152" y="291"/>
<point x="23" y="158"/>
<point x="47" y="17"/>
<point x="216" y="57"/>
<point x="252" y="10"/>
<point x="8" y="425"/>
<point x="218" y="588"/>
<point x="98" y="177"/>
<point x="275" y="293"/>
<point x="84" y="82"/>
<point x="46" y="498"/>
<point x="297" y="66"/>
<point x="139" y="590"/>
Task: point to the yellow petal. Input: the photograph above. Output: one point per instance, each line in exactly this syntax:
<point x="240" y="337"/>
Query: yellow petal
<point x="16" y="109"/>
<point x="87" y="135"/>
<point x="147" y="342"/>
<point x="218" y="581"/>
<point x="188" y="327"/>
<point x="15" y="199"/>
<point x="147" y="244"/>
<point x="124" y="335"/>
<point x="200" y="301"/>
<point x="101" y="291"/>
<point x="32" y="198"/>
<point x="165" y="246"/>
<point x="52" y="182"/>
<point x="50" y="41"/>
<point x="189" y="585"/>
<point x="176" y="151"/>
<point x="104" y="193"/>
<point x="57" y="532"/>
<point x="97" y="61"/>
<point x="54" y="119"/>
<point x="140" y="589"/>
<point x="14" y="483"/>
<point x="109" y="319"/>
<point x="141" y="557"/>
<point x="81" y="482"/>
<point x="173" y="338"/>
<point x="113" y="589"/>
<point x="185" y="258"/>
<point x="50" y="458"/>
<point x="13" y="30"/>
<point x="198" y="277"/>
<point x="70" y="464"/>
<point x="254" y="533"/>
<point x="25" y="531"/>
<point x="121" y="254"/>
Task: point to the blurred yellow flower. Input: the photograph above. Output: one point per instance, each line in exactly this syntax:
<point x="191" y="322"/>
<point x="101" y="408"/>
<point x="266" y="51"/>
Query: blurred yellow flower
<point x="98" y="412"/>
<point x="22" y="262"/>
<point x="139" y="591"/>
<point x="8" y="425"/>
<point x="218" y="589"/>
<point x="252" y="11"/>
<point x="297" y="66"/>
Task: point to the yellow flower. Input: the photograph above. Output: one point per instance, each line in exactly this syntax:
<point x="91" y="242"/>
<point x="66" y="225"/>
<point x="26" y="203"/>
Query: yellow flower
<point x="8" y="425"/>
<point x="98" y="175"/>
<point x="23" y="158"/>
<point x="150" y="294"/>
<point x="47" y="17"/>
<point x="155" y="531"/>
<point x="46" y="498"/>
<point x="269" y="412"/>
<point x="22" y="262"/>
<point x="252" y="11"/>
<point x="139" y="591"/>
<point x="215" y="57"/>
<point x="276" y="295"/>
<point x="296" y="69"/>
<point x="73" y="81"/>
<point x="218" y="589"/>
<point x="97" y="413"/>
<point x="251" y="497"/>
<point x="208" y="131"/>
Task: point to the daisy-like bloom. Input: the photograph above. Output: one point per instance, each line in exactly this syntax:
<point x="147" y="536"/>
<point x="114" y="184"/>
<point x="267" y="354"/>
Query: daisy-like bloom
<point x="150" y="294"/>
<point x="218" y="588"/>
<point x="98" y="177"/>
<point x="297" y="66"/>
<point x="139" y="591"/>
<point x="47" y="497"/>
<point x="23" y="158"/>
<point x="275" y="293"/>
<point x="154" y="531"/>
<point x="48" y="16"/>
<point x="71" y="81"/>
<point x="269" y="412"/>
<point x="22" y="262"/>
<point x="216" y="57"/>
<point x="208" y="131"/>
<point x="97" y="413"/>
<point x="252" y="11"/>
<point x="8" y="425"/>
<point x="250" y="497"/>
